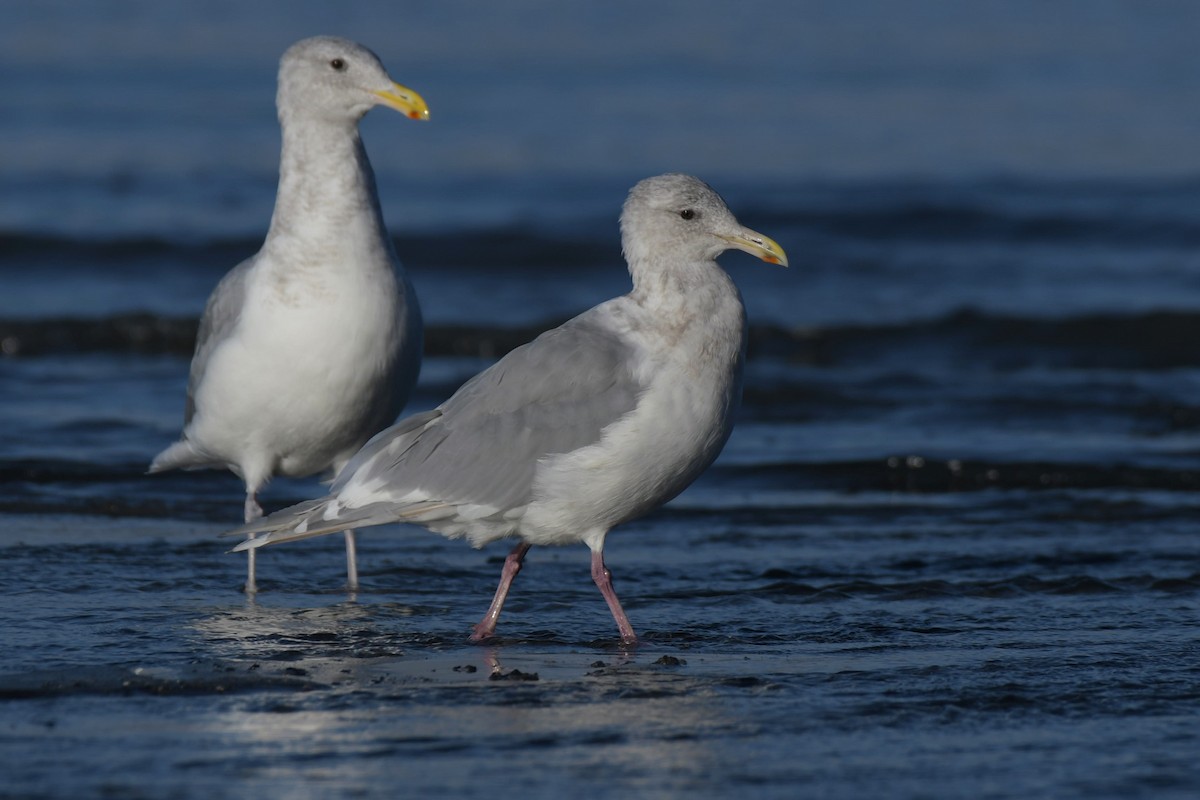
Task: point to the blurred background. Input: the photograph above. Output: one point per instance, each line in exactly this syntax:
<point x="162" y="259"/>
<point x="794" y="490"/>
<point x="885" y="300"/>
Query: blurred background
<point x="128" y="123"/>
<point x="124" y="116"/>
<point x="131" y="122"/>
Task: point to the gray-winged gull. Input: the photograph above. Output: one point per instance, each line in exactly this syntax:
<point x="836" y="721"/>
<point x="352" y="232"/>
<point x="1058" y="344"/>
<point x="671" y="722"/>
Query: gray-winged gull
<point x="313" y="345"/>
<point x="592" y="424"/>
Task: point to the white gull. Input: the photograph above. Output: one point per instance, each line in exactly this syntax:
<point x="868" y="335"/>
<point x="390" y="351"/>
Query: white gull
<point x="590" y="425"/>
<point x="313" y="345"/>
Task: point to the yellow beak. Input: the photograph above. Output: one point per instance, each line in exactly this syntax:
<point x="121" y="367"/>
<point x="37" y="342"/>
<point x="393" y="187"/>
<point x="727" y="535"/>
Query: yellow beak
<point x="404" y="100"/>
<point x="756" y="244"/>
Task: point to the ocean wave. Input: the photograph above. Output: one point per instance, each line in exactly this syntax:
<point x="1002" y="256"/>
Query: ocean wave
<point x="1159" y="339"/>
<point x="783" y="585"/>
<point x="1151" y="340"/>
<point x="1084" y="491"/>
<point x="1115" y="213"/>
<point x="509" y="247"/>
<point x="917" y="474"/>
<point x="1127" y="212"/>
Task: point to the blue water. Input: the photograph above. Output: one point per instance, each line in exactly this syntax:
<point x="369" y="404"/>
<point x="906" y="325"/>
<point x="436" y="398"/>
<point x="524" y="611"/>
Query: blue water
<point x="949" y="551"/>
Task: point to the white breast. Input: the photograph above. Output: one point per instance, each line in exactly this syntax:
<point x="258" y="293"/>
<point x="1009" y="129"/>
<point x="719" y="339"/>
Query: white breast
<point x="294" y="382"/>
<point x="681" y="422"/>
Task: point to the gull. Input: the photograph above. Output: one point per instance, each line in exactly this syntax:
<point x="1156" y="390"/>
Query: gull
<point x="311" y="346"/>
<point x="590" y="425"/>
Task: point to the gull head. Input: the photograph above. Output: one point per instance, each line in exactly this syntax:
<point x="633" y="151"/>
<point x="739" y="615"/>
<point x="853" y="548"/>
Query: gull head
<point x="337" y="79"/>
<point x="681" y="218"/>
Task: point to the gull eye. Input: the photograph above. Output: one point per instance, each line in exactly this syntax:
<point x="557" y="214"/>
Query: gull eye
<point x="338" y="64"/>
<point x="687" y="213"/>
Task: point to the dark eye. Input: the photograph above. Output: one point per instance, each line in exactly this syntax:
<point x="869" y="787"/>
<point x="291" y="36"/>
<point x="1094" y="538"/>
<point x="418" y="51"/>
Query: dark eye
<point x="687" y="213"/>
<point x="338" y="64"/>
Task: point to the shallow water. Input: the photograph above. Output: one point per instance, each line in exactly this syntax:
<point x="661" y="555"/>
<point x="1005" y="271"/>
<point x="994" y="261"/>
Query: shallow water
<point x="949" y="551"/>
<point x="1020" y="642"/>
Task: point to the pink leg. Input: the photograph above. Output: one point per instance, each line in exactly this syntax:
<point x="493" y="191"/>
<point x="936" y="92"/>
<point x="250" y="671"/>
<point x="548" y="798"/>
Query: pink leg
<point x="603" y="579"/>
<point x="512" y="565"/>
<point x="252" y="511"/>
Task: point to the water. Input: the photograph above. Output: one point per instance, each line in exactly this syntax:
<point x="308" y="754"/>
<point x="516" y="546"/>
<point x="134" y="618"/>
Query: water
<point x="949" y="551"/>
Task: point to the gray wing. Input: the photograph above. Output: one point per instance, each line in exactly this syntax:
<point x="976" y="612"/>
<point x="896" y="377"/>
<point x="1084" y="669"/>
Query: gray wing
<point x="553" y="395"/>
<point x="221" y="315"/>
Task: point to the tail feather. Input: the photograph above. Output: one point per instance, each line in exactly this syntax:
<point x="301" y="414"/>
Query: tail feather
<point x="306" y="520"/>
<point x="181" y="455"/>
<point x="284" y="519"/>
